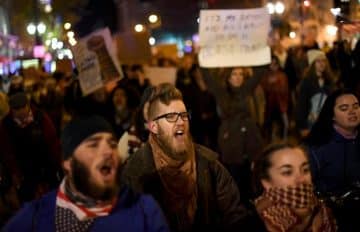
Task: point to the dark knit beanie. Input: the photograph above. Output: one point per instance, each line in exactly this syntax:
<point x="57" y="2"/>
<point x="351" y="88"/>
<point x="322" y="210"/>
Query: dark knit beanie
<point x="77" y="130"/>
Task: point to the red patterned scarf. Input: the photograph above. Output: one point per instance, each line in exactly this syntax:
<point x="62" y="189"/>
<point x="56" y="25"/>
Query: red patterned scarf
<point x="83" y="209"/>
<point x="294" y="209"/>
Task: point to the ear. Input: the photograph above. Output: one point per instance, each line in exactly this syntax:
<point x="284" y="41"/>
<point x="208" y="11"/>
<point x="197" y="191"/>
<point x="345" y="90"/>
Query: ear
<point x="66" y="165"/>
<point x="266" y="184"/>
<point x="153" y="127"/>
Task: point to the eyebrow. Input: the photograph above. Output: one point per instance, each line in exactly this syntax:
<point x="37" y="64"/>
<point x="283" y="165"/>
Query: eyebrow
<point x="345" y="104"/>
<point x="290" y="166"/>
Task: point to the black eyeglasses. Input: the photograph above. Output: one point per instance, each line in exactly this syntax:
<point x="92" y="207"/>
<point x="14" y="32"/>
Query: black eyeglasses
<point x="174" y="116"/>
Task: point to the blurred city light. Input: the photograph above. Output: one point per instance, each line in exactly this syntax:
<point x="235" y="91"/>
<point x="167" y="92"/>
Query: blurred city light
<point x="292" y="35"/>
<point x="70" y="34"/>
<point x="153" y="18"/>
<point x="67" y="26"/>
<point x="72" y="41"/>
<point x="271" y="8"/>
<point x="48" y="8"/>
<point x="306" y="3"/>
<point x="198" y="20"/>
<point x="335" y="11"/>
<point x="331" y="30"/>
<point x="31" y="29"/>
<point x="47" y="42"/>
<point x="139" y="28"/>
<point x="41" y="27"/>
<point x="152" y="41"/>
<point x="279" y="7"/>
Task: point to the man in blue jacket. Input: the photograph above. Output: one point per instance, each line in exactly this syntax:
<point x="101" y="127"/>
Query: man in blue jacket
<point x="89" y="197"/>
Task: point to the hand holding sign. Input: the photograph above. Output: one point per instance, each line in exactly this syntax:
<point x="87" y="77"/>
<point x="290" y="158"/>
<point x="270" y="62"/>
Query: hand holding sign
<point x="230" y="38"/>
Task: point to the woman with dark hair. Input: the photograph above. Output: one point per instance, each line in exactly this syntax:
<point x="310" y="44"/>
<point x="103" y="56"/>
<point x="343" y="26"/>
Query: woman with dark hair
<point x="286" y="199"/>
<point x="239" y="137"/>
<point x="334" y="145"/>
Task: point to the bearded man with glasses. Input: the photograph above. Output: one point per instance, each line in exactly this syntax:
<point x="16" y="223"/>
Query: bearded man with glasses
<point x="194" y="190"/>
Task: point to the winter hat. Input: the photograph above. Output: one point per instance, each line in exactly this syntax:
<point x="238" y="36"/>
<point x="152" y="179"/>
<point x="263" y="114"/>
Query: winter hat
<point x="314" y="54"/>
<point x="77" y="130"/>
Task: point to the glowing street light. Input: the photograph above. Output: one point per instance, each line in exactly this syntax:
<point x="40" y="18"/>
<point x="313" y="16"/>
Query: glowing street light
<point x="152" y="41"/>
<point x="306" y="3"/>
<point x="279" y="7"/>
<point x="47" y="8"/>
<point x="31" y="29"/>
<point x="41" y="28"/>
<point x="67" y="26"/>
<point x="139" y="28"/>
<point x="292" y="35"/>
<point x="271" y="8"/>
<point x="153" y="18"/>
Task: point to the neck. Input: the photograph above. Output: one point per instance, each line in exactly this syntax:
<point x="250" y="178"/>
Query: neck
<point x="348" y="133"/>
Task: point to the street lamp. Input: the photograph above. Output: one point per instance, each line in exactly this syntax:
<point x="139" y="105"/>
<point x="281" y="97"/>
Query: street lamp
<point x="276" y="8"/>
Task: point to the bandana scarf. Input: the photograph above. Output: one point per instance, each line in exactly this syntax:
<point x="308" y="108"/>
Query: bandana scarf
<point x="294" y="209"/>
<point x="75" y="212"/>
<point x="179" y="181"/>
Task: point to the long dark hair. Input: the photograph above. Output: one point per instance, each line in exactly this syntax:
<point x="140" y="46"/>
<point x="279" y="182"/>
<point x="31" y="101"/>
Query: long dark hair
<point x="322" y="130"/>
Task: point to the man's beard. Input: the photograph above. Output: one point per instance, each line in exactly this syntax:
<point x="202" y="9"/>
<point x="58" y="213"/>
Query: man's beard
<point x="82" y="181"/>
<point x="177" y="153"/>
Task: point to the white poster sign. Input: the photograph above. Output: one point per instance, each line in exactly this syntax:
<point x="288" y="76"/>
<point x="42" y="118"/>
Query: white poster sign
<point x="158" y="75"/>
<point x="230" y="38"/>
<point x="96" y="61"/>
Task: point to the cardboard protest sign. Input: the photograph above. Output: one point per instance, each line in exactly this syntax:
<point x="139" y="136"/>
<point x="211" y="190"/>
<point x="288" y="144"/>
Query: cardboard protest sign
<point x="230" y="38"/>
<point x="133" y="47"/>
<point x="158" y="75"/>
<point x="96" y="62"/>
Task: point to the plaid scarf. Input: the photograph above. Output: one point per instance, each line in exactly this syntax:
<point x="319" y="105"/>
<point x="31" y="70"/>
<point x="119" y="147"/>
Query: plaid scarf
<point x="294" y="209"/>
<point x="179" y="181"/>
<point x="75" y="212"/>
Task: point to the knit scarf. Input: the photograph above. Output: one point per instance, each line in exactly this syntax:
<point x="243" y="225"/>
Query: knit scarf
<point x="294" y="209"/>
<point x="75" y="212"/>
<point x="179" y="180"/>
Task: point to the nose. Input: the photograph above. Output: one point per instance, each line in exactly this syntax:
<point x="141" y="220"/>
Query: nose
<point x="107" y="150"/>
<point x="300" y="179"/>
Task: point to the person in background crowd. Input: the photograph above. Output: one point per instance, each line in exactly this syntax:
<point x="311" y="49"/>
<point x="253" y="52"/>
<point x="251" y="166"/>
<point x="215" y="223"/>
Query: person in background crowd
<point x="16" y="84"/>
<point x="30" y="148"/>
<point x="276" y="89"/>
<point x="334" y="145"/>
<point x="89" y="197"/>
<point x="239" y="137"/>
<point x="287" y="201"/>
<point x="122" y="115"/>
<point x="138" y="133"/>
<point x="194" y="190"/>
<point x="317" y="84"/>
<point x="4" y="106"/>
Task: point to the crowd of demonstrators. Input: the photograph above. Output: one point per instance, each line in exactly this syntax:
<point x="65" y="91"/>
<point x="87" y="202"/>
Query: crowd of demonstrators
<point x="334" y="146"/>
<point x="89" y="197"/>
<point x="192" y="187"/>
<point x="286" y="200"/>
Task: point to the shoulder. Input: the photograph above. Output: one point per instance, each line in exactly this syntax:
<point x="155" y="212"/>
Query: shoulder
<point x="25" y="217"/>
<point x="206" y="153"/>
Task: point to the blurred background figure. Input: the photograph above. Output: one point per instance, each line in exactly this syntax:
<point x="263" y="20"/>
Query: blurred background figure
<point x="316" y="85"/>
<point x="276" y="90"/>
